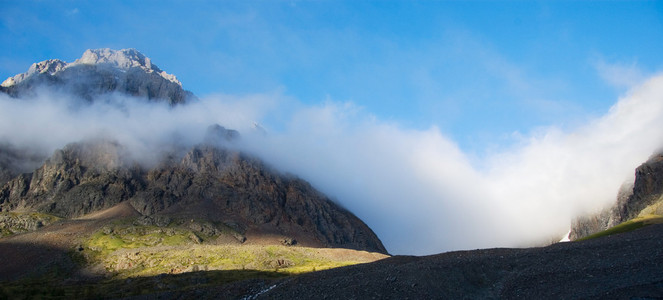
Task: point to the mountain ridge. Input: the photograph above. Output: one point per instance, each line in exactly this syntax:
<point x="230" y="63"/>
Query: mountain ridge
<point x="637" y="198"/>
<point x="208" y="180"/>
<point x="100" y="71"/>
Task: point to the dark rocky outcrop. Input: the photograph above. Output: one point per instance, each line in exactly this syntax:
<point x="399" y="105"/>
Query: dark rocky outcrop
<point x="632" y="200"/>
<point x="208" y="182"/>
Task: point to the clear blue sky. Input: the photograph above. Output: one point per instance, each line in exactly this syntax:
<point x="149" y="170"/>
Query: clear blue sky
<point x="478" y="70"/>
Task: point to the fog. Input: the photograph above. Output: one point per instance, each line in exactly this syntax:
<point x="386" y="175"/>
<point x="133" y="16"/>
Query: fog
<point x="416" y="189"/>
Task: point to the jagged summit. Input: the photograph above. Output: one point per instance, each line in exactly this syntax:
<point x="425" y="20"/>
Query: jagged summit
<point x="123" y="59"/>
<point x="49" y="67"/>
<point x="101" y="71"/>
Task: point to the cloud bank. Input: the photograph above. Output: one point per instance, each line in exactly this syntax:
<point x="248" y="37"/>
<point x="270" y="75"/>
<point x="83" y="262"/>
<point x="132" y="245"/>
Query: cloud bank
<point x="415" y="188"/>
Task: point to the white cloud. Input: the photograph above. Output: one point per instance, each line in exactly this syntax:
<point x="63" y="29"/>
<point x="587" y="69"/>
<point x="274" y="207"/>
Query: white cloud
<point x="52" y="120"/>
<point x="421" y="194"/>
<point x="416" y="188"/>
<point x="621" y="75"/>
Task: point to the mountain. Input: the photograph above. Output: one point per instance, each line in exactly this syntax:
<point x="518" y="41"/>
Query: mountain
<point x="99" y="72"/>
<point x="208" y="183"/>
<point x="640" y="198"/>
<point x="208" y="221"/>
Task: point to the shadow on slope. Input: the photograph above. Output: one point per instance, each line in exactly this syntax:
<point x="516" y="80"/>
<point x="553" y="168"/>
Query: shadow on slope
<point x="74" y="259"/>
<point x="213" y="284"/>
<point x="618" y="266"/>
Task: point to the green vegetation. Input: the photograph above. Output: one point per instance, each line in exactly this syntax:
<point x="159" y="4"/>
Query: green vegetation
<point x="177" y="259"/>
<point x="108" y="239"/>
<point x="127" y="251"/>
<point x="655" y="208"/>
<point x="627" y="226"/>
<point x="134" y="256"/>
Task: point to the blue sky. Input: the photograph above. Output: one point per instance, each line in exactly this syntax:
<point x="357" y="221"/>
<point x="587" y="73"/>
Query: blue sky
<point x="480" y="71"/>
<point x="442" y="124"/>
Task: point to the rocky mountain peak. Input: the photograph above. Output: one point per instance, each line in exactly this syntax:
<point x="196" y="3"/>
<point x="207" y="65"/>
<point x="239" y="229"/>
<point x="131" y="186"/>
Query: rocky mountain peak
<point x="49" y="67"/>
<point x="123" y="59"/>
<point x="101" y="71"/>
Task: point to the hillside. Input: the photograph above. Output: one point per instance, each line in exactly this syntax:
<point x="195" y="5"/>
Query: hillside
<point x="95" y="211"/>
<point x="206" y="181"/>
<point x="621" y="266"/>
<point x="625" y="266"/>
<point x="205" y="219"/>
<point x="641" y="198"/>
<point x="116" y="253"/>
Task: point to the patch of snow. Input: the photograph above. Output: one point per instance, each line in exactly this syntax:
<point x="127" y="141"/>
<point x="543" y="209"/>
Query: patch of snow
<point x="566" y="237"/>
<point x="121" y="59"/>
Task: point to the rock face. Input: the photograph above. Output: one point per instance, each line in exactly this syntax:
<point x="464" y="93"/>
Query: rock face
<point x="14" y="161"/>
<point x="98" y="72"/>
<point x="637" y="198"/>
<point x="208" y="182"/>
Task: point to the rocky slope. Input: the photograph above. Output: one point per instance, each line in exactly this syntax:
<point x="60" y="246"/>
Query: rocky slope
<point x="99" y="72"/>
<point x="209" y="181"/>
<point x="14" y="161"/>
<point x="641" y="197"/>
<point x="624" y="266"/>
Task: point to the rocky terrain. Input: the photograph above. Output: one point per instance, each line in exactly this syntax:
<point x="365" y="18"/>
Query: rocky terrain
<point x="90" y="214"/>
<point x="624" y="266"/>
<point x="99" y="72"/>
<point x="641" y="198"/>
<point x="208" y="181"/>
<point x="209" y="221"/>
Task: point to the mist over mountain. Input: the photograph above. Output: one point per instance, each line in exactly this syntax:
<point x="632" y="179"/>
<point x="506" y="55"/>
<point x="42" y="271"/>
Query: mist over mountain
<point x="417" y="189"/>
<point x="123" y="143"/>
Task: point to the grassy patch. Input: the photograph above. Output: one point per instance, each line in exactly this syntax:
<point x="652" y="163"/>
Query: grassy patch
<point x="126" y="258"/>
<point x="627" y="226"/>
<point x="110" y="239"/>
<point x="150" y="261"/>
<point x="127" y="251"/>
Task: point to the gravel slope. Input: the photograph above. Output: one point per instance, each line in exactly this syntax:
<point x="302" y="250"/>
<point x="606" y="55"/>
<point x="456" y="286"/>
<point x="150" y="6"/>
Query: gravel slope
<point x="625" y="266"/>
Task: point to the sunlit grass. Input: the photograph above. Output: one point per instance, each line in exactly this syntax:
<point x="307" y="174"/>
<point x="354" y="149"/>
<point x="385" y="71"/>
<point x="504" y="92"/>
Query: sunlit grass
<point x="139" y="251"/>
<point x="150" y="261"/>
